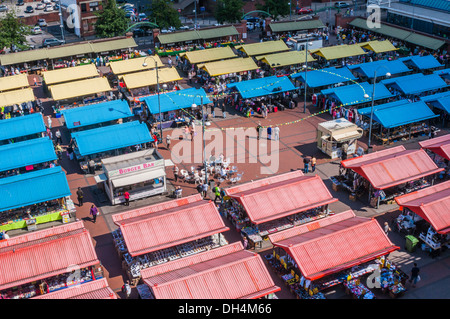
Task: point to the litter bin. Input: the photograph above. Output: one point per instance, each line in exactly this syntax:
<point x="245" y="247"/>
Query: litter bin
<point x="411" y="243"/>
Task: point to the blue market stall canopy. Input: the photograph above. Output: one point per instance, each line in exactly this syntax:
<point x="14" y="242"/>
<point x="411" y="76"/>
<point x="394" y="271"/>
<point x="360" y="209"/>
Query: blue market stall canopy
<point x="354" y="94"/>
<point x="418" y="85"/>
<point x="421" y="62"/>
<point x="175" y="100"/>
<point x="111" y="137"/>
<point x="324" y="77"/>
<point x="442" y="103"/>
<point x="96" y="113"/>
<point x="381" y="67"/>
<point x="389" y="81"/>
<point x="367" y="110"/>
<point x="21" y="126"/>
<point x="30" y="152"/>
<point x="392" y="115"/>
<point x="33" y="188"/>
<point x="263" y="86"/>
<point x="444" y="73"/>
<point x="434" y="97"/>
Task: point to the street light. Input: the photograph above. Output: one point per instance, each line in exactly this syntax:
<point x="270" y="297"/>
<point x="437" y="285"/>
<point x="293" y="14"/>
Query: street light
<point x="305" y="66"/>
<point x="203" y="134"/>
<point x="369" y="146"/>
<point x="157" y="88"/>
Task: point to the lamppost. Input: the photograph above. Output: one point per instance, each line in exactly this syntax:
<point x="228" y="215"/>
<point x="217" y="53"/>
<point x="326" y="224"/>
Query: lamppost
<point x="369" y="146"/>
<point x="203" y="134"/>
<point x="157" y="89"/>
<point x="61" y="23"/>
<point x="195" y="22"/>
<point x="305" y="66"/>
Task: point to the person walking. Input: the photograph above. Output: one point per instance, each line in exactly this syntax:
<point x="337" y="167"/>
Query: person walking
<point x="414" y="275"/>
<point x="58" y="136"/>
<point x="204" y="190"/>
<point x="387" y="229"/>
<point x="269" y="132"/>
<point x="168" y="141"/>
<point x="126" y="195"/>
<point x="175" y="172"/>
<point x="306" y="162"/>
<point x="259" y="130"/>
<point x="217" y="193"/>
<point x="70" y="152"/>
<point x="276" y="133"/>
<point x="245" y="243"/>
<point x="313" y="164"/>
<point x="80" y="196"/>
<point x="94" y="213"/>
<point x="126" y="288"/>
<point x="49" y="122"/>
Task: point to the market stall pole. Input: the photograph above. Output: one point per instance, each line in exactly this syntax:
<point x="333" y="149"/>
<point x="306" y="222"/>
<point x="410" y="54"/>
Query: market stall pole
<point x="203" y="134"/>
<point x="157" y="89"/>
<point x="306" y="69"/>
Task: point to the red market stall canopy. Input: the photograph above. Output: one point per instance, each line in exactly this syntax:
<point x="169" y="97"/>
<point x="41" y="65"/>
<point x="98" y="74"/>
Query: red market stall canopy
<point x="432" y="204"/>
<point x="97" y="289"/>
<point x="228" y="272"/>
<point x="280" y="196"/>
<point x="45" y="253"/>
<point x="438" y="145"/>
<point x="393" y="166"/>
<point x="169" y="224"/>
<point x="333" y="244"/>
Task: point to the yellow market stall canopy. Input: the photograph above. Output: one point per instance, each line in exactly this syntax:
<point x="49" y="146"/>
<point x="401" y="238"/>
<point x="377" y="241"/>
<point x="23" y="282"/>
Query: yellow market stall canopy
<point x="229" y="66"/>
<point x="16" y="97"/>
<point x="261" y="48"/>
<point x="135" y="65"/>
<point x="208" y="55"/>
<point x="8" y="83"/>
<point x="285" y="58"/>
<point x="70" y="74"/>
<point x="339" y="51"/>
<point x="148" y="78"/>
<point x="378" y="46"/>
<point x="81" y="88"/>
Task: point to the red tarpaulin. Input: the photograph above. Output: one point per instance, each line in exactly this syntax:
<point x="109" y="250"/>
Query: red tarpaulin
<point x="97" y="289"/>
<point x="438" y="145"/>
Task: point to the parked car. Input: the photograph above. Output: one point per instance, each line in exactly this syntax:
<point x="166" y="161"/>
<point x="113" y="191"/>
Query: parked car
<point x="305" y="11"/>
<point x="138" y="33"/>
<point x="46" y="1"/>
<point x="3" y="8"/>
<point x="341" y="4"/>
<point x="40" y="6"/>
<point x="142" y="17"/>
<point x="56" y="7"/>
<point x="48" y="8"/>
<point x="51" y="42"/>
<point x="20" y="3"/>
<point x="252" y="19"/>
<point x="29" y="9"/>
<point x="41" y="23"/>
<point x="36" y="30"/>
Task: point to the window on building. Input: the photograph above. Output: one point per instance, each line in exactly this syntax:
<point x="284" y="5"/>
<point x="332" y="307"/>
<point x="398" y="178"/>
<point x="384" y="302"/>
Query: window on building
<point x="93" y="6"/>
<point x="83" y="7"/>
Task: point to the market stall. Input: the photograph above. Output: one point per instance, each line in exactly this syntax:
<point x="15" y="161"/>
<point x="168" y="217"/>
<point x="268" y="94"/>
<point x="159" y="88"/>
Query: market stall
<point x="34" y="198"/>
<point x="439" y="149"/>
<point x="416" y="85"/>
<point x="135" y="65"/>
<point x="161" y="233"/>
<point x="57" y="263"/>
<point x="227" y="272"/>
<point x="141" y="173"/>
<point x="367" y="71"/>
<point x="351" y="247"/>
<point x="14" y="82"/>
<point x="284" y="62"/>
<point x="107" y="141"/>
<point x="227" y="71"/>
<point x="71" y="74"/>
<point x="145" y="82"/>
<point x="191" y="58"/>
<point x="425" y="63"/>
<point x="261" y="48"/>
<point x="334" y="54"/>
<point x="294" y="27"/>
<point x="386" y="174"/>
<point x="337" y="136"/>
<point x="16" y="103"/>
<point x="21" y="128"/>
<point x="272" y="204"/>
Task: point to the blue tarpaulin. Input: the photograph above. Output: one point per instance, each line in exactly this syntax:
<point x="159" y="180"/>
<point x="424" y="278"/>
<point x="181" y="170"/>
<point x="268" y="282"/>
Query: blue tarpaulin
<point x="21" y="126"/>
<point x="421" y="62"/>
<point x="434" y="97"/>
<point x="111" y="137"/>
<point x="416" y="86"/>
<point x="263" y="86"/>
<point x="325" y="77"/>
<point x="96" y="113"/>
<point x="33" y="188"/>
<point x="444" y="73"/>
<point x="402" y="78"/>
<point x="354" y="94"/>
<point x="367" y="110"/>
<point x="30" y="152"/>
<point x="443" y="103"/>
<point x="176" y="100"/>
<point x="381" y="67"/>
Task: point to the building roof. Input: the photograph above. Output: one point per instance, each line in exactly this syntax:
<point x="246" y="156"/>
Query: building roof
<point x="334" y="243"/>
<point x="339" y="51"/>
<point x="96" y="113"/>
<point x="439" y="145"/>
<point x="96" y="289"/>
<point x="135" y="65"/>
<point x="111" y="137"/>
<point x="23" y="56"/>
<point x="45" y="253"/>
<point x="208" y="55"/>
<point x="13" y="82"/>
<point x="354" y="93"/>
<point x="148" y="78"/>
<point x="175" y="100"/>
<point x="393" y="166"/>
<point x="381" y="67"/>
<point x="378" y="46"/>
<point x="326" y="76"/>
<point x="70" y="74"/>
<point x="166" y="225"/>
<point x="260" y="48"/>
<point x="236" y="65"/>
<point x="431" y="204"/>
<point x="16" y="97"/>
<point x="79" y="88"/>
<point x="421" y="62"/>
<point x="21" y="126"/>
<point x="296" y="25"/>
<point x="30" y="152"/>
<point x="228" y="272"/>
<point x="276" y="60"/>
<point x="278" y="199"/>
<point x="263" y="86"/>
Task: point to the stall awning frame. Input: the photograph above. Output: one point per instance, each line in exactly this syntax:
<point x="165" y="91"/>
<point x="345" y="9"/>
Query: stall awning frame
<point x="439" y="145"/>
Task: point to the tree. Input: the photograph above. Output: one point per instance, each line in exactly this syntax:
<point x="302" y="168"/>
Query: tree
<point x="276" y="8"/>
<point x="164" y="15"/>
<point x="228" y="11"/>
<point x="111" y="21"/>
<point x="13" y="32"/>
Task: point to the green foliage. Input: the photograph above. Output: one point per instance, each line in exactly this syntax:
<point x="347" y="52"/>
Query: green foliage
<point x="276" y="8"/>
<point x="164" y="15"/>
<point x="229" y="11"/>
<point x="111" y="21"/>
<point x="13" y="32"/>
